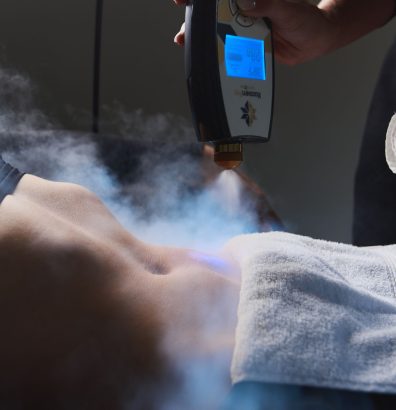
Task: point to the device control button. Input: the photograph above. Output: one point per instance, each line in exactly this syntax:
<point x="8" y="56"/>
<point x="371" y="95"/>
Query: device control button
<point x="233" y="7"/>
<point x="245" y="21"/>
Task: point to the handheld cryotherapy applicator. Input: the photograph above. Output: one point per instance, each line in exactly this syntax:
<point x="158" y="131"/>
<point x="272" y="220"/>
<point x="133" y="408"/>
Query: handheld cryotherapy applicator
<point x="230" y="72"/>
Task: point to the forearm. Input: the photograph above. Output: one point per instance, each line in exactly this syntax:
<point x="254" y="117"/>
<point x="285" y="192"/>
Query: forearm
<point x="355" y="18"/>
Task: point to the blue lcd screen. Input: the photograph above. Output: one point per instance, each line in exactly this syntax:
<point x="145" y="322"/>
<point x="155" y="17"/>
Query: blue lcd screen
<point x="245" y="57"/>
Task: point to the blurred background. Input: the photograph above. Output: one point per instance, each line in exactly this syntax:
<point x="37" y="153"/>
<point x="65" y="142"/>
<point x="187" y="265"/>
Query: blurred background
<point x="307" y="169"/>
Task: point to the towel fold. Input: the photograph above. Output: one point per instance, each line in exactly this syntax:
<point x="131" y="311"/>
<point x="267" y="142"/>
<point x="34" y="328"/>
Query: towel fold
<point x="315" y="313"/>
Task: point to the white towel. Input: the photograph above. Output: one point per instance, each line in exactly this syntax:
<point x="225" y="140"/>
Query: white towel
<point x="315" y="313"/>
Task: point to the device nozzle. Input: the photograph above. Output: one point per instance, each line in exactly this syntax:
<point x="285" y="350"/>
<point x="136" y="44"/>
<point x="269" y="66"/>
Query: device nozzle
<point x="228" y="156"/>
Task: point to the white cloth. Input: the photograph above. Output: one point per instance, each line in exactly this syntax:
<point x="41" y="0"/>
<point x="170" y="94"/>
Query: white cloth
<point x="315" y="313"/>
<point x="390" y="150"/>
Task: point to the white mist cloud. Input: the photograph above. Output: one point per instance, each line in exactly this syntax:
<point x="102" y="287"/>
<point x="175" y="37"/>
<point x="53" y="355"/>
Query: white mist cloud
<point x="164" y="203"/>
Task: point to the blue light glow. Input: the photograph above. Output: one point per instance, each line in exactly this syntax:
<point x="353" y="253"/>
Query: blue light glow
<point x="245" y="58"/>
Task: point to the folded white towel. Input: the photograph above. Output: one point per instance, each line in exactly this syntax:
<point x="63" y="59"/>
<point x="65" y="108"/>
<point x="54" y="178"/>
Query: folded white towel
<point x="315" y="313"/>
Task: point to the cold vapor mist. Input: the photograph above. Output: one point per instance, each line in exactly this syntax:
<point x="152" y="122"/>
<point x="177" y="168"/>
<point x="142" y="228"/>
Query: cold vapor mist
<point x="159" y="193"/>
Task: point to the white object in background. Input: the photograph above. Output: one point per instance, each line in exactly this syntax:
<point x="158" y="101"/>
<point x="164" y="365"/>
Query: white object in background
<point x="391" y="145"/>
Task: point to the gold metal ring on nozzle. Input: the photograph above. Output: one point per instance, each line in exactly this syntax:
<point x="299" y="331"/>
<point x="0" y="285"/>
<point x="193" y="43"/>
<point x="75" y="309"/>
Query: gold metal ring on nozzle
<point x="228" y="156"/>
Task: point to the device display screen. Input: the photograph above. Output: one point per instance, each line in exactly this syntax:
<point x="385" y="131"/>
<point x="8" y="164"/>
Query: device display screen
<point x="245" y="57"/>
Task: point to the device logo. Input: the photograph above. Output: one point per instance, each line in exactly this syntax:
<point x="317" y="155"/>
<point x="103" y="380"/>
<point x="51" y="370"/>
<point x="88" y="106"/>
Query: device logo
<point x="255" y="94"/>
<point x="249" y="113"/>
<point x="247" y="91"/>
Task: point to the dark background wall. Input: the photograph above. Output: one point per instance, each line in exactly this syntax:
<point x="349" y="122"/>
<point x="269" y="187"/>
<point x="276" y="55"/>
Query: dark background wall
<point x="307" y="170"/>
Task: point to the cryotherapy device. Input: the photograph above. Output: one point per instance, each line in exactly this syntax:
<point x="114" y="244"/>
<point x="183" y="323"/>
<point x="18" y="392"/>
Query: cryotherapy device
<point x="230" y="77"/>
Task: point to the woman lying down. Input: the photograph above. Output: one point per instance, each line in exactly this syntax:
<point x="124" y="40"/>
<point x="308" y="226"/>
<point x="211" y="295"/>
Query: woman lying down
<point x="92" y="318"/>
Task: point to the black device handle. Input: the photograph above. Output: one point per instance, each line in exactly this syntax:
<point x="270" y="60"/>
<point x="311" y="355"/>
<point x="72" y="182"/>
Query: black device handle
<point x="202" y="71"/>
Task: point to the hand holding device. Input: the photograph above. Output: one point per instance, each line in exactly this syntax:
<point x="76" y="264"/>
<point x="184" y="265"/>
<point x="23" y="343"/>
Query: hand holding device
<point x="303" y="31"/>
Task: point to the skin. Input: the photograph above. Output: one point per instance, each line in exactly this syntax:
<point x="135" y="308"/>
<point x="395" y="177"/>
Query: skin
<point x="304" y="31"/>
<point x="90" y="315"/>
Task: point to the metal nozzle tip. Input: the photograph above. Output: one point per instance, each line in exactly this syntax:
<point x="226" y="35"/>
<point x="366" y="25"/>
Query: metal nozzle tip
<point x="228" y="164"/>
<point x="228" y="156"/>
